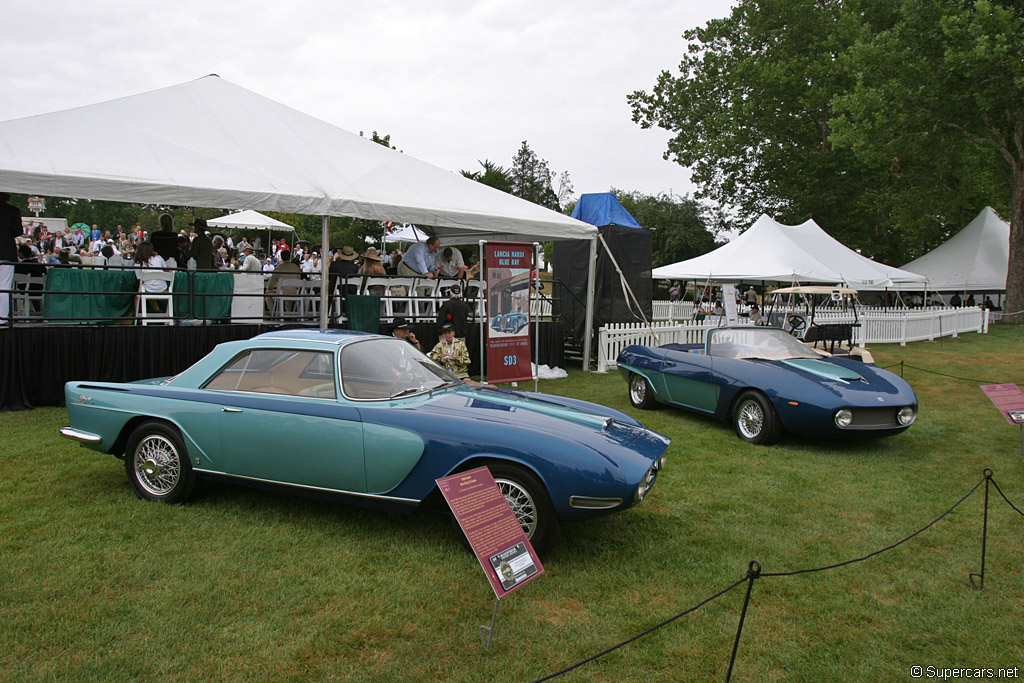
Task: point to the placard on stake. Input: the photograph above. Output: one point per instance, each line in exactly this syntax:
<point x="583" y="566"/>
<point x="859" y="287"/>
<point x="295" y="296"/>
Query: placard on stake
<point x="1009" y="400"/>
<point x="494" y="534"/>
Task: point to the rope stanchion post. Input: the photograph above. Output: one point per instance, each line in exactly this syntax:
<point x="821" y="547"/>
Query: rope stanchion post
<point x="753" y="572"/>
<point x="980" y="585"/>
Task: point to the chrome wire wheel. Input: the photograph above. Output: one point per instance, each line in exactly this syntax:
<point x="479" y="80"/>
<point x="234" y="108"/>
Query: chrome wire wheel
<point x="750" y="419"/>
<point x="637" y="389"/>
<point x="157" y="464"/>
<point x="521" y="502"/>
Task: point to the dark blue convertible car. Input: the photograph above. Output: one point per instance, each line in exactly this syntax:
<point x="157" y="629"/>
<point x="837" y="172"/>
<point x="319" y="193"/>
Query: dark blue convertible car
<point x="767" y="382"/>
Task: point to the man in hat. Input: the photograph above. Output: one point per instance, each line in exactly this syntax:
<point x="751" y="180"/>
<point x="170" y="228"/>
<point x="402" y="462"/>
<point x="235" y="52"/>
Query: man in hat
<point x="250" y="264"/>
<point x="202" y="246"/>
<point x="455" y="312"/>
<point x="402" y="330"/>
<point x="451" y="352"/>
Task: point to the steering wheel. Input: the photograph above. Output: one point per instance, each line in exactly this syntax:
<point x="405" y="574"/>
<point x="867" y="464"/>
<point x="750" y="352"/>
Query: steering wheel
<point x="402" y="378"/>
<point x="796" y="324"/>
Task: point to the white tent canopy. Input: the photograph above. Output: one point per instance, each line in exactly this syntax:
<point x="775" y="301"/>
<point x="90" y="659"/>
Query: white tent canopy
<point x="974" y="259"/>
<point x="409" y="233"/>
<point x="249" y="220"/>
<point x="771" y="251"/>
<point x="211" y="143"/>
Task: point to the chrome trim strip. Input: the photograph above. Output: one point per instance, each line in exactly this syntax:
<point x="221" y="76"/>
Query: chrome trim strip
<point x="374" y="496"/>
<point x="587" y="503"/>
<point x="79" y="435"/>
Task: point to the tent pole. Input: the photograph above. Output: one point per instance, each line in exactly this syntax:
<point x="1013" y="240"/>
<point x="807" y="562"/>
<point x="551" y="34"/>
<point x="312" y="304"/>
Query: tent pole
<point x="325" y="249"/>
<point x="588" y="326"/>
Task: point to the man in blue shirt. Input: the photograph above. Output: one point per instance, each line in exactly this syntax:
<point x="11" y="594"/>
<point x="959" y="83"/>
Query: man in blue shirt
<point x="418" y="260"/>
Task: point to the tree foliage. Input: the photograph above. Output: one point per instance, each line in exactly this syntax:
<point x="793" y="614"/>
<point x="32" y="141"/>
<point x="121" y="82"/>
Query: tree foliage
<point x="531" y="178"/>
<point x="753" y="113"/>
<point x="680" y="226"/>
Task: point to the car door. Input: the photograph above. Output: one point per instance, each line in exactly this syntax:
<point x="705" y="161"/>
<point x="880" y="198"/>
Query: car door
<point x="281" y="421"/>
<point x="689" y="380"/>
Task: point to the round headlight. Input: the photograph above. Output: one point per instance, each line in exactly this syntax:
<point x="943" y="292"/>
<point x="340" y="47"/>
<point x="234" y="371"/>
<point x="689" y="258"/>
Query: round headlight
<point x="906" y="415"/>
<point x="844" y="417"/>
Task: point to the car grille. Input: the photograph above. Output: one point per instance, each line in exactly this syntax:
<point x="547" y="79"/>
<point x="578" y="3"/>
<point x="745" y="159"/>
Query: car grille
<point x="873" y="418"/>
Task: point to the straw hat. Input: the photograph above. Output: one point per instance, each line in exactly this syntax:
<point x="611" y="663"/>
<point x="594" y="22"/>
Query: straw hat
<point x="348" y="254"/>
<point x="371" y="254"/>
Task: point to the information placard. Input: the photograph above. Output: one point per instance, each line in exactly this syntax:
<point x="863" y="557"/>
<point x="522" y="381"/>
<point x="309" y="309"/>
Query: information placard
<point x="494" y="533"/>
<point x="508" y="311"/>
<point x="1009" y="399"/>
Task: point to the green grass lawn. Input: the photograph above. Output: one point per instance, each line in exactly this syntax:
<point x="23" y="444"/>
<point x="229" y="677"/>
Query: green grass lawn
<point x="96" y="584"/>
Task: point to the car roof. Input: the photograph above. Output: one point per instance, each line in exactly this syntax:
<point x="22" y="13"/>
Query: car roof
<point x="309" y="335"/>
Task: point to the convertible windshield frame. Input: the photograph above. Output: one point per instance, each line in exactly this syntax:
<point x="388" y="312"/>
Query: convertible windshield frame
<point x="382" y="369"/>
<point x="756" y="343"/>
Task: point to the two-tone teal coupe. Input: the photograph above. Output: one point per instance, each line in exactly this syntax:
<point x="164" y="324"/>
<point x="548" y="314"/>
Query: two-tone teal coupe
<point x="366" y="419"/>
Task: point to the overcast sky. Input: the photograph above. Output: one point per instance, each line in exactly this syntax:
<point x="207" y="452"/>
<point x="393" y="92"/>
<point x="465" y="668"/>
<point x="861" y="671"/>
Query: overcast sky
<point x="452" y="81"/>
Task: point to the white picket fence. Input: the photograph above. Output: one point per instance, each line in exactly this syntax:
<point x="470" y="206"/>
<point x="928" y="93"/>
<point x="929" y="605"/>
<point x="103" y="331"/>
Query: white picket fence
<point x="877" y="326"/>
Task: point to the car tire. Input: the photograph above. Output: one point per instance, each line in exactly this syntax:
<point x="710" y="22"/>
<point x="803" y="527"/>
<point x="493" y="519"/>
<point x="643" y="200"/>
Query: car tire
<point x="754" y="419"/>
<point x="530" y="503"/>
<point x="157" y="463"/>
<point x="641" y="393"/>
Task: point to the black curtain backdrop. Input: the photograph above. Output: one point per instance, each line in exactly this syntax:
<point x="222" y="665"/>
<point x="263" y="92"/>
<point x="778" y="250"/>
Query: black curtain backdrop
<point x="632" y="249"/>
<point x="38" y="360"/>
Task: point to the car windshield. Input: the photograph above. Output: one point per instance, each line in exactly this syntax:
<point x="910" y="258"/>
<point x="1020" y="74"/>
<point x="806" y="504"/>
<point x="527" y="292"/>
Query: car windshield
<point x="764" y="343"/>
<point x="376" y="369"/>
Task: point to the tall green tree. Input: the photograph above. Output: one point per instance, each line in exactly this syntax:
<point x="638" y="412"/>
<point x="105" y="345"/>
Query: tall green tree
<point x="531" y="178"/>
<point x="493" y="175"/>
<point x="752" y="113"/>
<point x="945" y="76"/>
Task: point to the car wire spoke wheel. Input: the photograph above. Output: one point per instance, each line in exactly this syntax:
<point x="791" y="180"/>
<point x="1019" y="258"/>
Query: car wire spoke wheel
<point x="521" y="502"/>
<point x="750" y="419"/>
<point x="157" y="464"/>
<point x="641" y="395"/>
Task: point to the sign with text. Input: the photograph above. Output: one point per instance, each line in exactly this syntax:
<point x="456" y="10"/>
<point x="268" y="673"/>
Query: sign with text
<point x="493" y="532"/>
<point x="508" y="311"/>
<point x="1009" y="399"/>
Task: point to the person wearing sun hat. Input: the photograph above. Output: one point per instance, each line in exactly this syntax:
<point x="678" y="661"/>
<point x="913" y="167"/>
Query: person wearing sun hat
<point x="343" y="265"/>
<point x="451" y="352"/>
<point x="372" y="263"/>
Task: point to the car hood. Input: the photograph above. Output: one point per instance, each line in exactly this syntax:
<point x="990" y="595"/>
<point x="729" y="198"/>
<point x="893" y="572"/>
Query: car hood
<point x="561" y="418"/>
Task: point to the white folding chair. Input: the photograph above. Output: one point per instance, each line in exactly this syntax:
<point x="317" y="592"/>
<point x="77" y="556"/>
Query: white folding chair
<point x="401" y="296"/>
<point x="425" y="292"/>
<point x="310" y="292"/>
<point x="142" y="312"/>
<point x="475" y="291"/>
<point x="378" y="286"/>
<point x="288" y="302"/>
<point x="19" y="299"/>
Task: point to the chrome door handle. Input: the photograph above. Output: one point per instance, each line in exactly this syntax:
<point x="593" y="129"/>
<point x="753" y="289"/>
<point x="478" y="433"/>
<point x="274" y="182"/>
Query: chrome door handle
<point x="230" y="410"/>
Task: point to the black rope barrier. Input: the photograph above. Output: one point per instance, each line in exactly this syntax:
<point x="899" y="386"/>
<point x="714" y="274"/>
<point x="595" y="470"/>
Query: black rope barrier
<point x="642" y="633"/>
<point x="754" y="572"/>
<point x="943" y="374"/>
<point x="886" y="548"/>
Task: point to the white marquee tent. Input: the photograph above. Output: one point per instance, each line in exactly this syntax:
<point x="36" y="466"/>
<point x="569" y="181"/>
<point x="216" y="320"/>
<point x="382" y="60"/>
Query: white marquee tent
<point x="804" y="253"/>
<point x="211" y="143"/>
<point x="974" y="259"/>
<point x="249" y="220"/>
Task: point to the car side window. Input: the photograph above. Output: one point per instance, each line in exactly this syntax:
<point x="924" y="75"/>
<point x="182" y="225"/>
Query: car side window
<point x="278" y="371"/>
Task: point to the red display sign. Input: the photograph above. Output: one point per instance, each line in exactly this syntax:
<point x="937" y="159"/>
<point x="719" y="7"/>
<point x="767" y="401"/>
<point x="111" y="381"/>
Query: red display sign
<point x="494" y="533"/>
<point x="509" y="265"/>
<point x="1009" y="399"/>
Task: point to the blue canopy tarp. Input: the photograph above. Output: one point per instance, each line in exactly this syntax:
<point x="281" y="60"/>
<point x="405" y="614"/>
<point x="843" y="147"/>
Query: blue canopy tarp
<point x="603" y="208"/>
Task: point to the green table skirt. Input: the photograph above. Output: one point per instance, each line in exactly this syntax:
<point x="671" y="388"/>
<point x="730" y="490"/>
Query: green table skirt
<point x="67" y="297"/>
